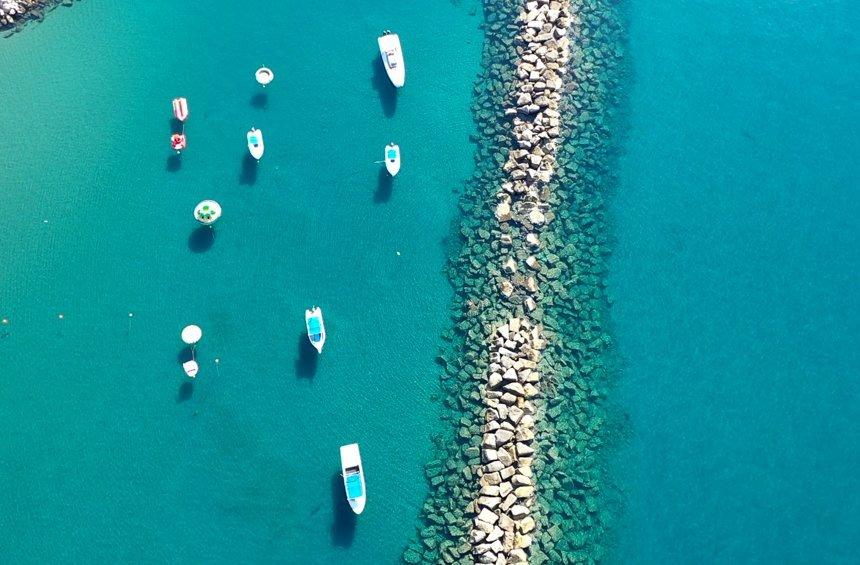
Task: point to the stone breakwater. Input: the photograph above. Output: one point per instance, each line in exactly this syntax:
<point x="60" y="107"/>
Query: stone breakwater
<point x="501" y="531"/>
<point x="14" y="13"/>
<point x="532" y="252"/>
<point x="503" y="526"/>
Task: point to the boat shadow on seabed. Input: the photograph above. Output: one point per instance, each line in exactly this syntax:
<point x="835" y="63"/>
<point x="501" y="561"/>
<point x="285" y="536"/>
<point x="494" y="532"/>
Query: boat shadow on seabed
<point x="344" y="519"/>
<point x="381" y="84"/>
<point x="306" y="363"/>
<point x="248" y="176"/>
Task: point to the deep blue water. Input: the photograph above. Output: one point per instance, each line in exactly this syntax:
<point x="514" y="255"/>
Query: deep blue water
<point x="735" y="283"/>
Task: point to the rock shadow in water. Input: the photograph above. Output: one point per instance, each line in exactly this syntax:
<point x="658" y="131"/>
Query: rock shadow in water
<point x="381" y="84"/>
<point x="343" y="526"/>
<point x="260" y="100"/>
<point x="249" y="170"/>
<point x="201" y="239"/>
<point x="186" y="390"/>
<point x="384" y="186"/>
<point x="306" y="363"/>
<point x="174" y="163"/>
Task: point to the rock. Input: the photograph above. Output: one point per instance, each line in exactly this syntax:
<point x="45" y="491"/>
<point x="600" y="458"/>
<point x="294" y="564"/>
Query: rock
<point x="489" y="455"/>
<point x="524" y="492"/>
<point x="524" y="450"/>
<point x="495" y="380"/>
<point x="515" y="388"/>
<point x="497" y="533"/>
<point x="507" y="289"/>
<point x="505" y="457"/>
<point x="510" y="266"/>
<point x="518" y="511"/>
<point x="515" y="415"/>
<point x="522" y="540"/>
<point x="526" y="525"/>
<point x="517" y="556"/>
<point x="510" y="375"/>
<point x="532" y="240"/>
<point x="489" y="502"/>
<point x="487" y="516"/>
<point x="503" y="436"/>
<point x="503" y="212"/>
<point x="520" y="480"/>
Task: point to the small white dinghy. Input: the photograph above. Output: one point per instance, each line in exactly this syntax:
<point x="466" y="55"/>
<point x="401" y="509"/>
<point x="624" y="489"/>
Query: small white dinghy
<point x="353" y="477"/>
<point x="316" y="327"/>
<point x="255" y="143"/>
<point x="392" y="158"/>
<point x="191" y="368"/>
<point x="392" y="58"/>
<point x="180" y="109"/>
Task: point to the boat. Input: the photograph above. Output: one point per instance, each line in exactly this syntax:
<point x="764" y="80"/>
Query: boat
<point x="392" y="58"/>
<point x="180" y="109"/>
<point x="392" y="158"/>
<point x="191" y="368"/>
<point x="178" y="142"/>
<point x="316" y="327"/>
<point x="207" y="212"/>
<point x="264" y="75"/>
<point x="353" y="477"/>
<point x="255" y="143"/>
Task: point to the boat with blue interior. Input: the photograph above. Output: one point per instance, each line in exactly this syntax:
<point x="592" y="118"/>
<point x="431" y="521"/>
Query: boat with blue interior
<point x="353" y="477"/>
<point x="316" y="327"/>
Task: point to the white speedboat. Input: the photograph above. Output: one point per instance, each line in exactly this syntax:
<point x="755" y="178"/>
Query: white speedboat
<point x="392" y="58"/>
<point x="316" y="327"/>
<point x="353" y="477"/>
<point x="392" y="158"/>
<point x="255" y="143"/>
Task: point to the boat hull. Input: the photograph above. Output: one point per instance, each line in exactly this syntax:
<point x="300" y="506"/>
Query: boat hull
<point x="392" y="164"/>
<point x="392" y="58"/>
<point x="353" y="477"/>
<point x="256" y="146"/>
<point x="315" y="313"/>
<point x="180" y="109"/>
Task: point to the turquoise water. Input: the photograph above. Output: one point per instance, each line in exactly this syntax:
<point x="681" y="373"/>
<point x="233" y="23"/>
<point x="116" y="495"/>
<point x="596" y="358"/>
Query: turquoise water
<point x="735" y="282"/>
<point x="110" y="454"/>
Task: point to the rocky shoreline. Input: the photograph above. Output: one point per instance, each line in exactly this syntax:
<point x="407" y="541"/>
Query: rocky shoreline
<point x="14" y="13"/>
<point x="526" y="373"/>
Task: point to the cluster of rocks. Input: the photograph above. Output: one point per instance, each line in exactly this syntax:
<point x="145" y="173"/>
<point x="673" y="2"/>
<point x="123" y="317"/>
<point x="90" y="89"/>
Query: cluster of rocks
<point x="555" y="269"/>
<point x="503" y="525"/>
<point x="15" y="12"/>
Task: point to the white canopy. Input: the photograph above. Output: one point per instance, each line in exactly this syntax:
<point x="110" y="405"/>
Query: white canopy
<point x="192" y="334"/>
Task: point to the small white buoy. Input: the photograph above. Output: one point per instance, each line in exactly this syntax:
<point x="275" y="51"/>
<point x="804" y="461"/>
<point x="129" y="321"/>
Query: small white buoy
<point x="131" y="315"/>
<point x="398" y="253"/>
<point x="192" y="334"/>
<point x="264" y="75"/>
<point x="207" y="212"/>
<point x="5" y="321"/>
<point x="61" y="316"/>
<point x="44" y="221"/>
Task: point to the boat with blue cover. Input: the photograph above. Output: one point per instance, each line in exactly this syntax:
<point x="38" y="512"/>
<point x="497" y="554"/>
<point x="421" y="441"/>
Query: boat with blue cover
<point x="353" y="477"/>
<point x="392" y="158"/>
<point x="316" y="327"/>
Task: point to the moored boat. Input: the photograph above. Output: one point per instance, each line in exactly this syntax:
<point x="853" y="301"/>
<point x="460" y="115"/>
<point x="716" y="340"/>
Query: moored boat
<point x="191" y="367"/>
<point x="353" y="477"/>
<point x="316" y="327"/>
<point x="255" y="143"/>
<point x="178" y="142"/>
<point x="392" y="158"/>
<point x="264" y="75"/>
<point x="392" y="58"/>
<point x="180" y="109"/>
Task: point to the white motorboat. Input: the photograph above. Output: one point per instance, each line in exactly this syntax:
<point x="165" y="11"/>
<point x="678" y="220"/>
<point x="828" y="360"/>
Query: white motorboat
<point x="255" y="143"/>
<point x="392" y="158"/>
<point x="353" y="477"/>
<point x="264" y="75"/>
<point x="392" y="58"/>
<point x="316" y="327"/>
<point x="191" y="368"/>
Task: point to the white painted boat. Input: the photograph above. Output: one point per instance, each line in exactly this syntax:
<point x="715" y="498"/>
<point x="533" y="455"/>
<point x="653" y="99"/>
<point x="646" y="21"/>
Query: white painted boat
<point x="191" y="368"/>
<point x="207" y="212"/>
<point x="392" y="58"/>
<point x="353" y="477"/>
<point x="255" y="143"/>
<point x="392" y="158"/>
<point x="180" y="109"/>
<point x="264" y="75"/>
<point x="316" y="327"/>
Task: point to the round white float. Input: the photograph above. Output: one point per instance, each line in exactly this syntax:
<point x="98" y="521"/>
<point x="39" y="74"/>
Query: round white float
<point x="192" y="334"/>
<point x="207" y="212"/>
<point x="264" y="75"/>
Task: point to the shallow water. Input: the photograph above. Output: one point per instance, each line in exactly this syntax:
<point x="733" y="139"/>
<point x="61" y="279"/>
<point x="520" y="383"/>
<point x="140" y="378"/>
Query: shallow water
<point x="735" y="283"/>
<point x="108" y="452"/>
